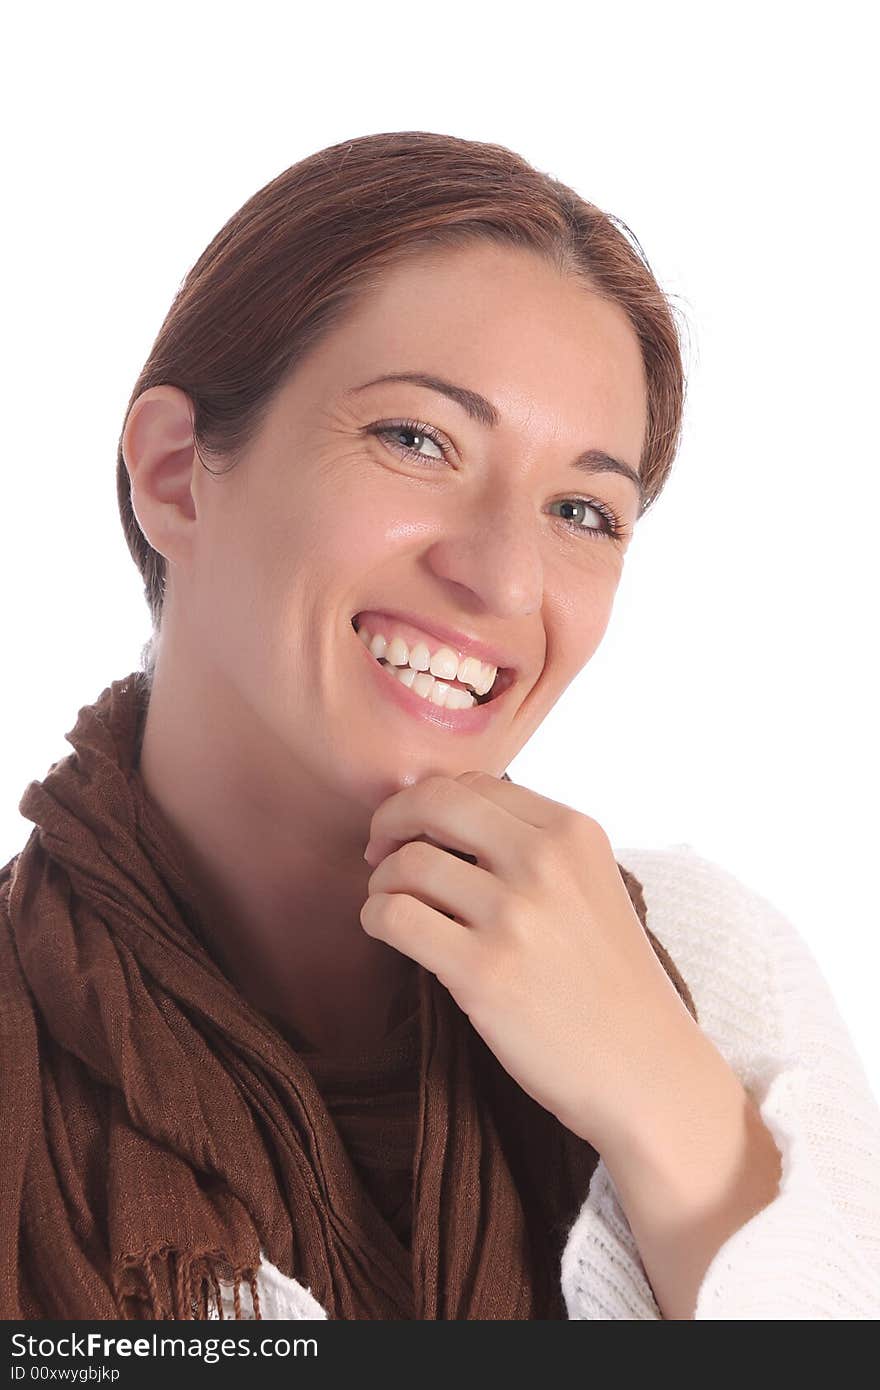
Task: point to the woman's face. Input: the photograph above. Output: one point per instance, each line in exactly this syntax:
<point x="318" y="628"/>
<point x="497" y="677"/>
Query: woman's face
<point x="326" y="518"/>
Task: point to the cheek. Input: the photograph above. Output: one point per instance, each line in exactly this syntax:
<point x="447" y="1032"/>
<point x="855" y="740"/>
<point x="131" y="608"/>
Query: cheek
<point x="251" y="562"/>
<point x="593" y="626"/>
<point x="355" y="532"/>
<point x="275" y="576"/>
<point x="575" y="630"/>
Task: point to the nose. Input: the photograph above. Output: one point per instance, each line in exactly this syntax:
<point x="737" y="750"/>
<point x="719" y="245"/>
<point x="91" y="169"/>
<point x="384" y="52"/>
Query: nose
<point x="492" y="554"/>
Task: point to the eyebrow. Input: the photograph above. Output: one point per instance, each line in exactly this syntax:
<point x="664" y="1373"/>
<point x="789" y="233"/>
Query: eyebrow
<point x="485" y="413"/>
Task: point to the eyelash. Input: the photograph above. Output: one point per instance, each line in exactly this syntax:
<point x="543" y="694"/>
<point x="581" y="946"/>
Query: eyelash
<point x="613" y="529"/>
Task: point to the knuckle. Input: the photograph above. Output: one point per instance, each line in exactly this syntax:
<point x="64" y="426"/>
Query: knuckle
<point x="571" y="822"/>
<point x="595" y="833"/>
<point x="508" y="915"/>
<point x="575" y="828"/>
<point x="544" y="864"/>
<point x="438" y="790"/>
<point x="415" y="854"/>
<point x="396" y="911"/>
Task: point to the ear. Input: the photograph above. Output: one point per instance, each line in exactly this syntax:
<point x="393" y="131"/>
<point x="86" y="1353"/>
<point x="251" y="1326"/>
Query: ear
<point x="163" y="466"/>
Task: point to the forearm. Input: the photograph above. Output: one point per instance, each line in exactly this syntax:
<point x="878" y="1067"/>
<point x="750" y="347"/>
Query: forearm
<point x="692" y="1162"/>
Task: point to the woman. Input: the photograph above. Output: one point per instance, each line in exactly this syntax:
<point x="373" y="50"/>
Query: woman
<point x="309" y="1011"/>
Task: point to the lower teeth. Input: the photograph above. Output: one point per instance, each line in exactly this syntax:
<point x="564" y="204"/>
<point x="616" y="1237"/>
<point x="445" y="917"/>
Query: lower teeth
<point x="459" y="703"/>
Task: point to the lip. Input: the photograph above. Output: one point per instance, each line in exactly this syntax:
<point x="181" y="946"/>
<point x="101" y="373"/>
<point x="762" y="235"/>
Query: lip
<point x="465" y="721"/>
<point x="460" y="642"/>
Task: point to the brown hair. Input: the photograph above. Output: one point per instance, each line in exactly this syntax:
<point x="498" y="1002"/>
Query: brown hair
<point x="288" y="266"/>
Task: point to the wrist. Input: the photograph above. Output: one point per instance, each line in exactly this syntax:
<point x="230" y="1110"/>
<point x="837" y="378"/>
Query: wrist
<point x="691" y="1161"/>
<point x="694" y="1144"/>
<point x="685" y="1095"/>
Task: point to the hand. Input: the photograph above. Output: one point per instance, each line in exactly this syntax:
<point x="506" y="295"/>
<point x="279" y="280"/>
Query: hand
<point x="537" y="940"/>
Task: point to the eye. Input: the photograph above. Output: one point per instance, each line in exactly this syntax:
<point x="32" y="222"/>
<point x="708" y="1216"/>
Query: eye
<point x="392" y="432"/>
<point x="612" y="527"/>
<point x="416" y="430"/>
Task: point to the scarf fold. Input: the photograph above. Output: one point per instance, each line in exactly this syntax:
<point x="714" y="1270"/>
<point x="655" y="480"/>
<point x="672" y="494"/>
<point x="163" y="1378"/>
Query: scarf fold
<point x="162" y="1135"/>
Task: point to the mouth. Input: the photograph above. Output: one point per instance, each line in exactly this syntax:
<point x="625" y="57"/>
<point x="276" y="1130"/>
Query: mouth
<point x="504" y="678"/>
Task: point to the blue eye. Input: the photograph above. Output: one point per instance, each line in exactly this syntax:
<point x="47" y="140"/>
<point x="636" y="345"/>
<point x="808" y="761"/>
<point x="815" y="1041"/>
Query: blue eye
<point x="612" y="529"/>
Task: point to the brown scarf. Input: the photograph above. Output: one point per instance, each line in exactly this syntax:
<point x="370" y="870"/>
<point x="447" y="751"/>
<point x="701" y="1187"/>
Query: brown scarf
<point x="160" y="1132"/>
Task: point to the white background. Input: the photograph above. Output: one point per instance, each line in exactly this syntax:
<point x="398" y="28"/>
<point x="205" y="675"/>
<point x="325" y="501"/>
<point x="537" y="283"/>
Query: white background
<point x="735" y="685"/>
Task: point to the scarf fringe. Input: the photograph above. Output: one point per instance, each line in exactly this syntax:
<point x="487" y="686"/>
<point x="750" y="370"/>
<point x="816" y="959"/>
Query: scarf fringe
<point x="193" y="1284"/>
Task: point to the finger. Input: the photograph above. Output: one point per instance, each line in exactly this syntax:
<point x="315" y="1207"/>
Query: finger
<point x="452" y="815"/>
<point x="468" y="893"/>
<point x="529" y="806"/>
<point x="413" y="928"/>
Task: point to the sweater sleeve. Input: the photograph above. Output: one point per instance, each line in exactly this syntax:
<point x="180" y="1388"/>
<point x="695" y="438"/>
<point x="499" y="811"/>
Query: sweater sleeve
<point x="814" y="1251"/>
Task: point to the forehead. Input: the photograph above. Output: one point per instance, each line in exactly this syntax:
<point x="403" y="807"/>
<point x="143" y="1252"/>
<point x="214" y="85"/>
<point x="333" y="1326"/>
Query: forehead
<point x="502" y="321"/>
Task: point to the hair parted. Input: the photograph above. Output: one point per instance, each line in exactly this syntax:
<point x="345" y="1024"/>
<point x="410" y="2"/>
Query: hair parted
<point x="294" y="259"/>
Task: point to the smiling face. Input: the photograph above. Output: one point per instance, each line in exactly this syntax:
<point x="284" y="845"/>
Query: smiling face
<point x="475" y="527"/>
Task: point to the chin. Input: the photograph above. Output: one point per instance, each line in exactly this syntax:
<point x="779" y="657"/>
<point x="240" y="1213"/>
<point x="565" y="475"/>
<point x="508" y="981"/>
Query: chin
<point x="376" y="785"/>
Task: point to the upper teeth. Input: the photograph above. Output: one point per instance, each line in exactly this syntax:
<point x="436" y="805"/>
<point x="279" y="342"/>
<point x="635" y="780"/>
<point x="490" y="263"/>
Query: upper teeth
<point x="443" y="663"/>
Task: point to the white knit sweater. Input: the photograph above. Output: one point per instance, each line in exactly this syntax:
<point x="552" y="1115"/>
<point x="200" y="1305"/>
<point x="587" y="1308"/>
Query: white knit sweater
<point x="814" y="1252"/>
